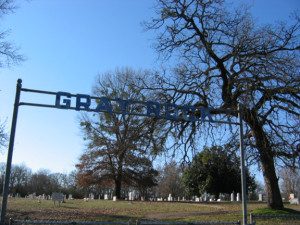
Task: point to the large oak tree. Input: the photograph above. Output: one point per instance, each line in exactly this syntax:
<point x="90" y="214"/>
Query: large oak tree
<point x="224" y="58"/>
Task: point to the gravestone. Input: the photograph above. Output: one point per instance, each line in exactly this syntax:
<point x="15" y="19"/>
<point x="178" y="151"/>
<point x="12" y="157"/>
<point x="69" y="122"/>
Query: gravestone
<point x="170" y="198"/>
<point x="238" y="197"/>
<point x="105" y="197"/>
<point x="32" y="196"/>
<point x="115" y="198"/>
<point x="91" y="196"/>
<point x="70" y="197"/>
<point x="130" y="197"/>
<point x="57" y="197"/>
<point x="232" y="197"/>
<point x="260" y="198"/>
<point x="294" y="201"/>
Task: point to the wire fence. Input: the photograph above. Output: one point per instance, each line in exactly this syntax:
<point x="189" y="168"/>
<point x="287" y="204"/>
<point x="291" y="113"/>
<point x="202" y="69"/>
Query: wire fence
<point x="130" y="222"/>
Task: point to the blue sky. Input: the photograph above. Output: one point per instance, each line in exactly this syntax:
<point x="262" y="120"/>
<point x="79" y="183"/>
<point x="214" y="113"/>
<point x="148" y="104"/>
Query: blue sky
<point x="67" y="43"/>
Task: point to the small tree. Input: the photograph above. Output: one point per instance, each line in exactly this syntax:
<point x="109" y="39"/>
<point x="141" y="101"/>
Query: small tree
<point x="119" y="145"/>
<point x="215" y="170"/>
<point x="170" y="180"/>
<point x="290" y="183"/>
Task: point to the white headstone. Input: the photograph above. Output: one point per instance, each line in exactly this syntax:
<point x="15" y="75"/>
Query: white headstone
<point x="292" y="196"/>
<point x="260" y="198"/>
<point x="197" y="199"/>
<point x="238" y="197"/>
<point x="105" y="197"/>
<point x="294" y="201"/>
<point x="170" y="198"/>
<point x="130" y="197"/>
<point x="115" y="198"/>
<point x="232" y="197"/>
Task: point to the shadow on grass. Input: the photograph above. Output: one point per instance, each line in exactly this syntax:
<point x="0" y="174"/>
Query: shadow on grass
<point x="269" y="211"/>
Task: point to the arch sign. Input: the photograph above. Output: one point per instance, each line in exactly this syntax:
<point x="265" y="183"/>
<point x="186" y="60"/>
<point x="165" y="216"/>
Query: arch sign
<point x="153" y="109"/>
<point x="83" y="102"/>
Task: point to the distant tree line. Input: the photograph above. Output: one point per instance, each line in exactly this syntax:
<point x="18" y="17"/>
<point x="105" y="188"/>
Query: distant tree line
<point x="211" y="175"/>
<point x="24" y="182"/>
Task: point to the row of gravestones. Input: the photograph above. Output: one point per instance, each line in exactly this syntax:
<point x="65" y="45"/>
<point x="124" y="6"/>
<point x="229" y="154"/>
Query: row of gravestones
<point x="131" y="196"/>
<point x="206" y="198"/>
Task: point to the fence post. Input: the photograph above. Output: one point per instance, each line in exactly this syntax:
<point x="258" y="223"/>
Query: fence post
<point x="251" y="218"/>
<point x="11" y="221"/>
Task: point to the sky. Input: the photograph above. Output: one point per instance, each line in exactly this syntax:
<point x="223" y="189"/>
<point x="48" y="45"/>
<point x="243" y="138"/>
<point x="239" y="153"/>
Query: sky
<point x="67" y="43"/>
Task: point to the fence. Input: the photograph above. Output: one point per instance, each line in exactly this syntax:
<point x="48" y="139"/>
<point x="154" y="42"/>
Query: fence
<point x="184" y="223"/>
<point x="288" y="219"/>
<point x="138" y="222"/>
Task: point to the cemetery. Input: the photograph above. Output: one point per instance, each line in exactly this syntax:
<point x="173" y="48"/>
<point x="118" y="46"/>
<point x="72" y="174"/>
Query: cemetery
<point x="91" y="208"/>
<point x="222" y="99"/>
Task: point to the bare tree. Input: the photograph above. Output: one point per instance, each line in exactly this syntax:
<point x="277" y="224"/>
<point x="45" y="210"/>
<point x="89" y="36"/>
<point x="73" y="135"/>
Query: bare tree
<point x="19" y="179"/>
<point x="226" y="59"/>
<point x="3" y="135"/>
<point x="9" y="54"/>
<point x="290" y="183"/>
<point x="170" y="181"/>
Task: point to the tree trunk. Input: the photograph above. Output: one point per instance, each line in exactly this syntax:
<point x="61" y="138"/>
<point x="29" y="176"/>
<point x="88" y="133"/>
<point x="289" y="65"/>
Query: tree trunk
<point x="118" y="188"/>
<point x="118" y="180"/>
<point x="274" y="200"/>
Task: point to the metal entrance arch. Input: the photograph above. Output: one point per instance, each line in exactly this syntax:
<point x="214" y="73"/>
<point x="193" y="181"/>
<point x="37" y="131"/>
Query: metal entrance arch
<point x="104" y="106"/>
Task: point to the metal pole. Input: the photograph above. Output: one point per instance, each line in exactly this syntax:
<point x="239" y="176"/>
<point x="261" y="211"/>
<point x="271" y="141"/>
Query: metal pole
<point x="10" y="151"/>
<point x="243" y="172"/>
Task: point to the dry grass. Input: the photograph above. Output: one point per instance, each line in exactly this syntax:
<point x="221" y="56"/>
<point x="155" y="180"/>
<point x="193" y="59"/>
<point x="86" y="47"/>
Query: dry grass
<point x="105" y="210"/>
